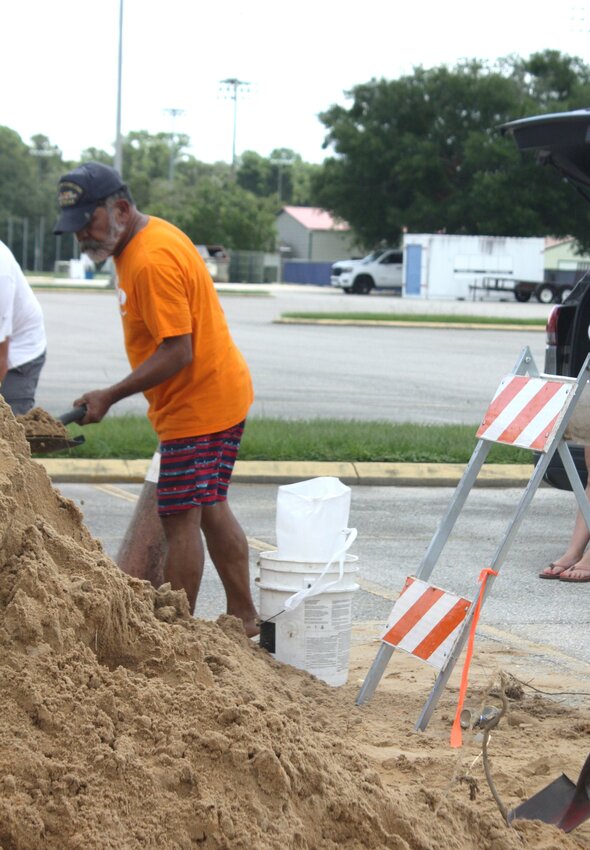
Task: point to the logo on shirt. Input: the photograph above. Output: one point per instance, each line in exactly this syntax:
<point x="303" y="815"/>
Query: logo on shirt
<point x="122" y="296"/>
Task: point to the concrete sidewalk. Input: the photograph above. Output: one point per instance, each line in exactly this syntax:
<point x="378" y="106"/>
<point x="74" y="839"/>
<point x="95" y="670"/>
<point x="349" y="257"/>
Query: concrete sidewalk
<point x="284" y="472"/>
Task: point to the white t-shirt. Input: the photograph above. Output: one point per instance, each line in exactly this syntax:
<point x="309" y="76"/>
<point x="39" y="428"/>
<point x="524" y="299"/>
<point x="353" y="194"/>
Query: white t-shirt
<point x="21" y="317"/>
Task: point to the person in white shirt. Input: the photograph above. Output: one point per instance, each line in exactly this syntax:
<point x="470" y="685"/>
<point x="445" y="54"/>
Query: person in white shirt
<point x="23" y="342"/>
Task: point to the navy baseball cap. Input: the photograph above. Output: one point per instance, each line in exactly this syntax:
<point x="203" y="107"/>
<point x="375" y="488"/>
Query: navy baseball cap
<point x="80" y="191"/>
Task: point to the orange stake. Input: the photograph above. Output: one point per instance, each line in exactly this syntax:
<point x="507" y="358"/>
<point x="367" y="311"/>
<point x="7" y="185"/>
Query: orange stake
<point x="456" y="737"/>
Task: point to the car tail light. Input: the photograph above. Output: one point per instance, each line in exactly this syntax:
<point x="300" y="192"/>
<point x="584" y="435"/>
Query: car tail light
<point x="551" y="326"/>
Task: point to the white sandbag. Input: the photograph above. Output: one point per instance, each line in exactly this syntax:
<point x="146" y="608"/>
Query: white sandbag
<point x="312" y="519"/>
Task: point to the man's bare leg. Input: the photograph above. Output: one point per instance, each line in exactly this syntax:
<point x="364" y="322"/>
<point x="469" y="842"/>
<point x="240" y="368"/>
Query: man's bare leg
<point x="228" y="548"/>
<point x="143" y="553"/>
<point x="185" y="555"/>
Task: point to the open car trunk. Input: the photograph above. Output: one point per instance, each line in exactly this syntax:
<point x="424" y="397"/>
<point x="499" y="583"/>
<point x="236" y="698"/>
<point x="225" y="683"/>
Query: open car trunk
<point x="562" y="140"/>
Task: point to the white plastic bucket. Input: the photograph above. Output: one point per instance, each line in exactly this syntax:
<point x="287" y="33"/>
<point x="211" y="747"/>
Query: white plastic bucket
<point x="316" y="635"/>
<point x="312" y="519"/>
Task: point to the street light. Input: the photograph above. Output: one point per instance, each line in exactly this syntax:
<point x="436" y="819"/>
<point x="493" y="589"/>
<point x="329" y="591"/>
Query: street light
<point x="44" y="153"/>
<point x="41" y="153"/>
<point x="118" y="138"/>
<point x="232" y="87"/>
<point x="173" y="113"/>
<point x="280" y="162"/>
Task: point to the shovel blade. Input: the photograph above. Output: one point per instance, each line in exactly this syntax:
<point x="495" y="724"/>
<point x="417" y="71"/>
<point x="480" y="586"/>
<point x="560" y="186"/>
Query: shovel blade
<point x="549" y="804"/>
<point x="46" y="445"/>
<point x="559" y="804"/>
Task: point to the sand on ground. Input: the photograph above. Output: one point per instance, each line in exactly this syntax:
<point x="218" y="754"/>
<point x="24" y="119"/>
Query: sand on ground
<point x="125" y="723"/>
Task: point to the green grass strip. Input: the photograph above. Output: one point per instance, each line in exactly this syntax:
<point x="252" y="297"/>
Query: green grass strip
<point x="130" y="436"/>
<point x="423" y="318"/>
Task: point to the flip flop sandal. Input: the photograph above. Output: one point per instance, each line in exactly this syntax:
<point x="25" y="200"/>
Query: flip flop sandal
<point x="554" y="575"/>
<point x="573" y="580"/>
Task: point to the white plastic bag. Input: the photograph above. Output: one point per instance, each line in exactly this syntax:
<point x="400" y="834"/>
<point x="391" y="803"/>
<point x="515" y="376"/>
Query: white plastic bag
<point x="312" y="519"/>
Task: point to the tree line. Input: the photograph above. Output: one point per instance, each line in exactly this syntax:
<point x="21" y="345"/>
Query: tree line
<point x="212" y="203"/>
<point x="421" y="153"/>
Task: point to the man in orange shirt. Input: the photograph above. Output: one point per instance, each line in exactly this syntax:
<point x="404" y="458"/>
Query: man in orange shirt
<point x="185" y="362"/>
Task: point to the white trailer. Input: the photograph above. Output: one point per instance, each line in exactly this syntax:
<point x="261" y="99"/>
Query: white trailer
<point x="444" y="266"/>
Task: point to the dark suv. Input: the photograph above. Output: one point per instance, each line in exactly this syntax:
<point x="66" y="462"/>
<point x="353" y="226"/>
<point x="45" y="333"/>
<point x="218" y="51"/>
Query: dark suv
<point x="563" y="140"/>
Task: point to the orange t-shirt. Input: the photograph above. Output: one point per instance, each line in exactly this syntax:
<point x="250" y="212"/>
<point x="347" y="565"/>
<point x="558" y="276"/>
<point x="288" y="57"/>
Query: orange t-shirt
<point x="165" y="290"/>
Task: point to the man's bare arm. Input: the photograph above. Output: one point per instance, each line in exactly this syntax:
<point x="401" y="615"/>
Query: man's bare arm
<point x="172" y="355"/>
<point x="3" y="359"/>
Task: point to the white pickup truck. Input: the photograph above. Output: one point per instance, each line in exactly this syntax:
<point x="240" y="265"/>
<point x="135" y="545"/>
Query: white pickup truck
<point x="379" y="270"/>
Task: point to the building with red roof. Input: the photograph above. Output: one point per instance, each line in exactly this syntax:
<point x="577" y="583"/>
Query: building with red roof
<point x="313" y="235"/>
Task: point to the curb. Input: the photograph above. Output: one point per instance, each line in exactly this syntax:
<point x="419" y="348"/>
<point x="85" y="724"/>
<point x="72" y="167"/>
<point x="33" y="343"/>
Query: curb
<point x="378" y="323"/>
<point x="287" y="472"/>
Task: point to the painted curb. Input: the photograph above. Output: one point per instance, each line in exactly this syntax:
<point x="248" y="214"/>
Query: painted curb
<point x="285" y="472"/>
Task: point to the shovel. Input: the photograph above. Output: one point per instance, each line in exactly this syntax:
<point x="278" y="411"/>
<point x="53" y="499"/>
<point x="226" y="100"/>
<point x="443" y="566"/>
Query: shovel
<point x="45" y="445"/>
<point x="561" y="803"/>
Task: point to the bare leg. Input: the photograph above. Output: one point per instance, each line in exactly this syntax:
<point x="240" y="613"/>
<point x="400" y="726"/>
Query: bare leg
<point x="574" y="554"/>
<point x="185" y="556"/>
<point x="228" y="548"/>
<point x="143" y="549"/>
<point x="143" y="554"/>
<point x="579" y="572"/>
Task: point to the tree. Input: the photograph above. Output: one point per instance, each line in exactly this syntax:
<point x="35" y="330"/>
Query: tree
<point x="17" y="174"/>
<point x="28" y="207"/>
<point x="148" y="158"/>
<point x="283" y="174"/>
<point x="254" y="174"/>
<point x="217" y="210"/>
<point x="549" y="78"/>
<point x="302" y="177"/>
<point x="424" y="152"/>
<point x="202" y="199"/>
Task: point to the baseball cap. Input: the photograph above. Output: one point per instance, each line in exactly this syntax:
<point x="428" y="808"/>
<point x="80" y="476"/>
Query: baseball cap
<point x="80" y="191"/>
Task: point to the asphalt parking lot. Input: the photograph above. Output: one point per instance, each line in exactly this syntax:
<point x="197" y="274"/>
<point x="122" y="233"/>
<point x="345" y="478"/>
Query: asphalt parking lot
<point x="395" y="525"/>
<point x="542" y="619"/>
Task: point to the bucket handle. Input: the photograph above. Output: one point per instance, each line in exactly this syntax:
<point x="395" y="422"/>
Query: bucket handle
<point x="296" y="599"/>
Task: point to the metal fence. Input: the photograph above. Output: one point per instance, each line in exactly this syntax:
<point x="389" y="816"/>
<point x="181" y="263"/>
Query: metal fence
<point x="302" y="271"/>
<point x="253" y="267"/>
<point x="37" y="249"/>
<point x="33" y="243"/>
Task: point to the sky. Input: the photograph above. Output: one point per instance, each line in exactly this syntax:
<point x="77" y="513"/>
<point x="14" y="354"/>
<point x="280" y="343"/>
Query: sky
<point x="59" y="63"/>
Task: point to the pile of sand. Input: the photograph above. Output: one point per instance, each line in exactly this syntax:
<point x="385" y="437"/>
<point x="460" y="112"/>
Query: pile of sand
<point x="126" y="724"/>
<point x="39" y="423"/>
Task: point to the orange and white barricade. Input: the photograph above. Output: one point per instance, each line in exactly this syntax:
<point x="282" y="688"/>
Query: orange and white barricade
<point x="529" y="410"/>
<point x="426" y="621"/>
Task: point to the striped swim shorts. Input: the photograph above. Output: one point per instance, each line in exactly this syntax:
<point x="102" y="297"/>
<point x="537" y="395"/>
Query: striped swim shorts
<point x="196" y="471"/>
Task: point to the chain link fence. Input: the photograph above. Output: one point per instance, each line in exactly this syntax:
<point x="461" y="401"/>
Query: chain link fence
<point x="33" y="243"/>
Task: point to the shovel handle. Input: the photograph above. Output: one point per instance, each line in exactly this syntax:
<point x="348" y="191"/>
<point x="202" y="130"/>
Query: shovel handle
<point x="73" y="415"/>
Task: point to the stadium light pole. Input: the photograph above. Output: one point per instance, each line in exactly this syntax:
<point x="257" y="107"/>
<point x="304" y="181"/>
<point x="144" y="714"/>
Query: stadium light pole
<point x="234" y="87"/>
<point x="41" y="154"/>
<point x="118" y="138"/>
<point x="281" y="161"/>
<point x="172" y="113"/>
